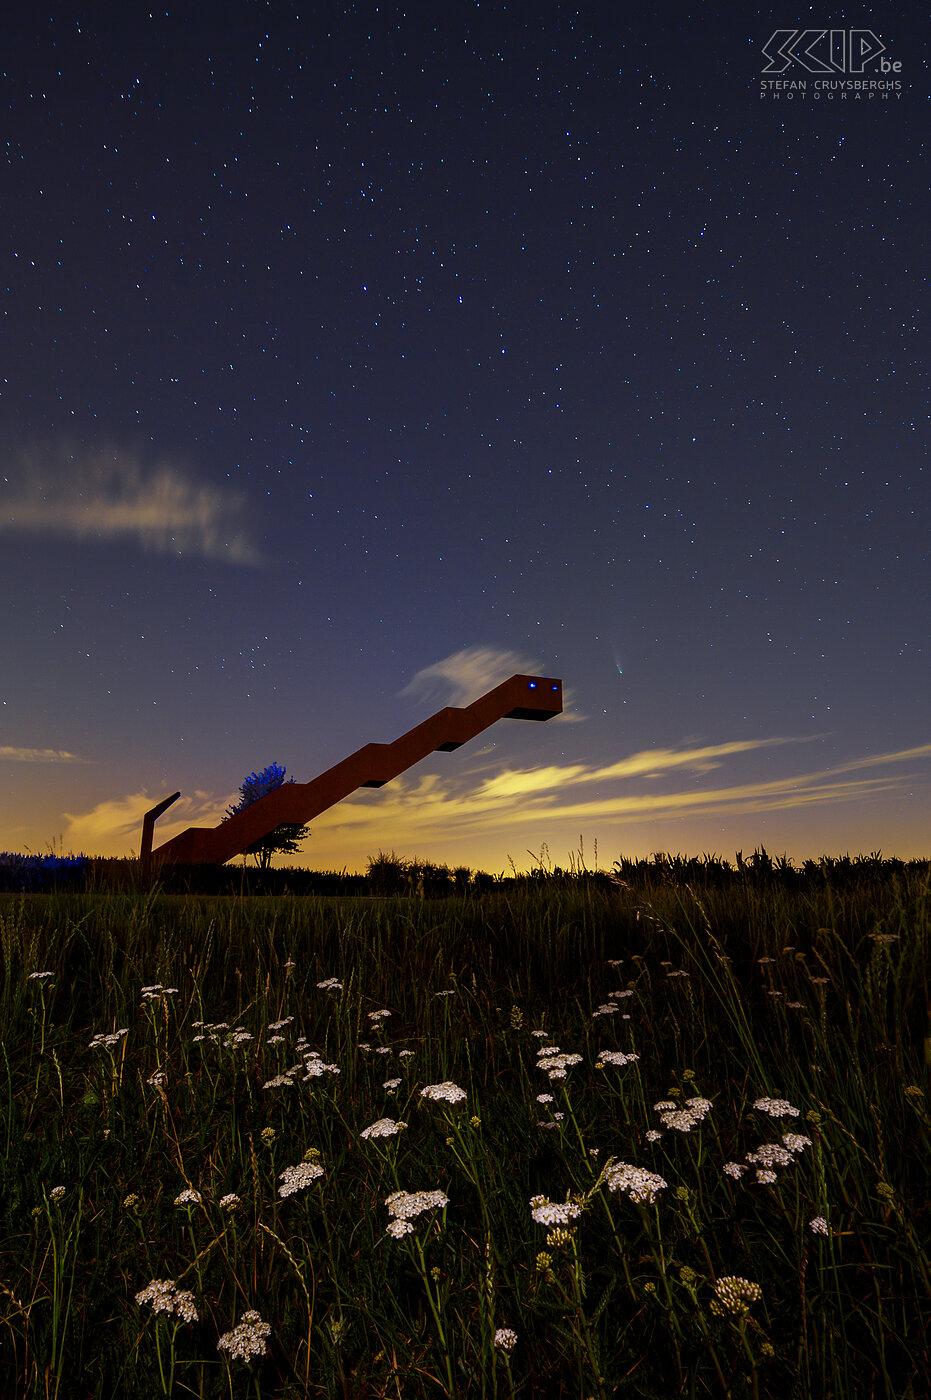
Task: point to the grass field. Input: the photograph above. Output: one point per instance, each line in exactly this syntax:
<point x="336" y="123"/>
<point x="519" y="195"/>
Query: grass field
<point x="565" y="1137"/>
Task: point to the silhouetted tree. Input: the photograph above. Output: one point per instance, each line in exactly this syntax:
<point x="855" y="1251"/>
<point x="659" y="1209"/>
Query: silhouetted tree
<point x="284" y="840"/>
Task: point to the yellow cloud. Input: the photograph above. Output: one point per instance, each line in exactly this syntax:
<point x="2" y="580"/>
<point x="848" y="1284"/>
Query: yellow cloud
<point x="113" y="827"/>
<point x="450" y="814"/>
<point x="9" y="754"/>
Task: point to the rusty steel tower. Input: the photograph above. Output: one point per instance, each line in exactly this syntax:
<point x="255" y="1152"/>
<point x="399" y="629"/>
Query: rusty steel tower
<point x="520" y="697"/>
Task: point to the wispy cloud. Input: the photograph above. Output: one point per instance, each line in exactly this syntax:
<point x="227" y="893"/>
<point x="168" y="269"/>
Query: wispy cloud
<point x="110" y="493"/>
<point x="114" y="826"/>
<point x="417" y="808"/>
<point x="450" y="815"/>
<point x="466" y="674"/>
<point x="10" y="754"/>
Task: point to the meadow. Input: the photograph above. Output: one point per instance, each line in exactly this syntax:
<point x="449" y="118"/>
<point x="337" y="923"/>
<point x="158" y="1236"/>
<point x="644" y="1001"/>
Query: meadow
<point x="660" y="1134"/>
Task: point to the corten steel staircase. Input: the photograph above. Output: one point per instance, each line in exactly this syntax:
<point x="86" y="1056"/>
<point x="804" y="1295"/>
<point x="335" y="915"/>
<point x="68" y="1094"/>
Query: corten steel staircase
<point x="521" y="697"/>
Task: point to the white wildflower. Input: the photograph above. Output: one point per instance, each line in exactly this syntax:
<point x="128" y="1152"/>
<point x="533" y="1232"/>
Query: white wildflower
<point x="505" y="1339"/>
<point x="294" y="1179"/>
<point x="446" y="1092"/>
<point x="776" y="1108"/>
<point x="556" y="1065"/>
<point x="405" y="1206"/>
<point x="230" y="1202"/>
<point x="796" y="1142"/>
<point x="384" y="1127"/>
<point x="640" y="1185"/>
<point x="819" y="1226"/>
<point x="247" y="1339"/>
<point x="102" y="1038"/>
<point x="399" y="1228"/>
<point x="614" y="1057"/>
<point x="332" y="984"/>
<point x="164" y="1296"/>
<point x="39" y="976"/>
<point x="770" y="1154"/>
<point x="547" y="1212"/>
<point x="766" y="1177"/>
<point x="735" y="1169"/>
<point x="188" y="1197"/>
<point x="316" y="1067"/>
<point x="391" y="1085"/>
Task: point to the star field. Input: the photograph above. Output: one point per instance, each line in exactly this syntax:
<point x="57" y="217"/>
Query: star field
<point x="343" y="343"/>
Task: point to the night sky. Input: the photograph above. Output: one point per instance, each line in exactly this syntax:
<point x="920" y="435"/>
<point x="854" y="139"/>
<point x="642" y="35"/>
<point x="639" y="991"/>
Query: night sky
<point x="356" y="357"/>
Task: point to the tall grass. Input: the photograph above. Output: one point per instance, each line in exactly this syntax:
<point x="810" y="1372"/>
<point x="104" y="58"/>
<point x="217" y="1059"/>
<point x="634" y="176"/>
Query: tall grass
<point x="632" y="1249"/>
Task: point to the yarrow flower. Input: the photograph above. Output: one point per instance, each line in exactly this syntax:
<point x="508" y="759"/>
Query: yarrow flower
<point x="776" y="1108"/>
<point x="505" y="1339"/>
<point x="641" y="1186"/>
<point x="102" y="1038"/>
<point x="796" y="1142"/>
<point x="315" y="1066"/>
<point x="684" y="1119"/>
<point x="230" y="1202"/>
<point x="770" y="1154"/>
<point x="294" y="1179"/>
<point x="735" y="1295"/>
<point x="247" y="1339"/>
<point x="39" y="976"/>
<point x="614" y="1057"/>
<point x="445" y="1093"/>
<point x="607" y="1008"/>
<point x="405" y="1206"/>
<point x="164" y="1296"/>
<point x="188" y="1197"/>
<point x="547" y="1212"/>
<point x="735" y="1169"/>
<point x="819" y="1226"/>
<point x="384" y="1127"/>
<point x="56" y="1193"/>
<point x="332" y="984"/>
<point x="555" y="1065"/>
